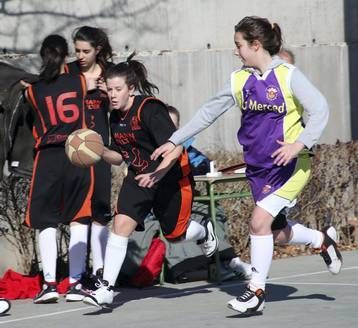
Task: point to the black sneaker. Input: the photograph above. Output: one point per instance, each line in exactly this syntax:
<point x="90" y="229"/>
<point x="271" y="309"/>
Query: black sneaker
<point x="249" y="302"/>
<point x="5" y="305"/>
<point x="75" y="293"/>
<point x="210" y="243"/>
<point x="48" y="294"/>
<point x="90" y="282"/>
<point x="329" y="251"/>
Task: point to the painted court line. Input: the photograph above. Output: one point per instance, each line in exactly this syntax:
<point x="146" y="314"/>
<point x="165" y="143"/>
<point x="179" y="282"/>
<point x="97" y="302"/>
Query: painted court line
<point x="198" y="288"/>
<point x="46" y="315"/>
<point x="317" y="283"/>
<point x="309" y="274"/>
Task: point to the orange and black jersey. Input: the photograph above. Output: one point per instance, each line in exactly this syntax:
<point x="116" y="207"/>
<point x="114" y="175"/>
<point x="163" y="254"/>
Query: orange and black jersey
<point x="138" y="132"/>
<point x="97" y="104"/>
<point x="58" y="109"/>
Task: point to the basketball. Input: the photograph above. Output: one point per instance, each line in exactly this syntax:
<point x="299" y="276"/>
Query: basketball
<point x="84" y="147"/>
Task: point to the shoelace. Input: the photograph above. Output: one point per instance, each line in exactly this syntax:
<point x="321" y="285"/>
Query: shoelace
<point x="100" y="283"/>
<point x="247" y="295"/>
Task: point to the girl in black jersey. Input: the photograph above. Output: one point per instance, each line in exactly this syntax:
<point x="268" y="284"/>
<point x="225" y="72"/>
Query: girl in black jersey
<point x="139" y="123"/>
<point x="60" y="192"/>
<point x="93" y="52"/>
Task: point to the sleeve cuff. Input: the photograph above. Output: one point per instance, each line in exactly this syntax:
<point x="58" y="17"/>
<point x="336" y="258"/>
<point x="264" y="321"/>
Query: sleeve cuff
<point x="172" y="142"/>
<point x="308" y="142"/>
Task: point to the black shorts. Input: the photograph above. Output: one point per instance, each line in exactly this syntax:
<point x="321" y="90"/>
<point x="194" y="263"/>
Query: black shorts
<point x="171" y="201"/>
<point x="60" y="192"/>
<point x="279" y="222"/>
<point x="101" y="200"/>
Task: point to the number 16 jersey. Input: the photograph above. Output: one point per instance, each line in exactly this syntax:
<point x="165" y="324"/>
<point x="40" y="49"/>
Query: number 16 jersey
<point x="58" y="109"/>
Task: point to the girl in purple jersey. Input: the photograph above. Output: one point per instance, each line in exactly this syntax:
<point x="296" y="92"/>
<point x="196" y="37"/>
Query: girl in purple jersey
<point x="272" y="96"/>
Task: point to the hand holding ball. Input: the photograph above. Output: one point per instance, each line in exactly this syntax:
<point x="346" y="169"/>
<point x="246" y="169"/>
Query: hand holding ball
<point x="84" y="147"/>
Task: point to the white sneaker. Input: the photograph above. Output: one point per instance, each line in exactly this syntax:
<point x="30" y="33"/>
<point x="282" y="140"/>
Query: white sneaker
<point x="241" y="268"/>
<point x="48" y="294"/>
<point x="75" y="292"/>
<point x="102" y="296"/>
<point x="249" y="302"/>
<point x="210" y="244"/>
<point x="329" y="251"/>
<point x="5" y="305"/>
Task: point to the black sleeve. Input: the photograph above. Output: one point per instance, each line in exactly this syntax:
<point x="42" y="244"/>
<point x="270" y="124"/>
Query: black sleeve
<point x="156" y="120"/>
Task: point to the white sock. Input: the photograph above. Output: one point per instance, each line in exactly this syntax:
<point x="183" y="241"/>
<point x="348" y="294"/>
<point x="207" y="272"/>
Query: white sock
<point x="115" y="254"/>
<point x="99" y="237"/>
<point x="261" y="258"/>
<point x="77" y="251"/>
<point x="48" y="252"/>
<point x="303" y="235"/>
<point x="195" y="231"/>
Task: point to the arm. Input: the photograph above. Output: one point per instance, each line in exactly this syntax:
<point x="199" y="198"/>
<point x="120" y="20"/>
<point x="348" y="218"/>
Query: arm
<point x="204" y="117"/>
<point x="316" y="107"/>
<point x="314" y="104"/>
<point x="149" y="179"/>
<point x="112" y="157"/>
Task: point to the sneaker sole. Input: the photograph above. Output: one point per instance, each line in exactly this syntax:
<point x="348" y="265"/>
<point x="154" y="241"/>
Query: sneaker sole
<point x="216" y="242"/>
<point x="90" y="301"/>
<point x="48" y="298"/>
<point x="74" y="298"/>
<point x="333" y="252"/>
<point x="5" y="306"/>
<point x="247" y="311"/>
<point x="336" y="256"/>
<point x="214" y="251"/>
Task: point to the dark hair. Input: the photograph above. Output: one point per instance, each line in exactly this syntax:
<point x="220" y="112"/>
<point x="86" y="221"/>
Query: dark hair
<point x="96" y="37"/>
<point x="54" y="50"/>
<point x="135" y="75"/>
<point x="257" y="28"/>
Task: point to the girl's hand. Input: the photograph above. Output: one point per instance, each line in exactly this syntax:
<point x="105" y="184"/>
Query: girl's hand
<point x="287" y="151"/>
<point x="25" y="84"/>
<point x="101" y="85"/>
<point x="148" y="180"/>
<point x="164" y="150"/>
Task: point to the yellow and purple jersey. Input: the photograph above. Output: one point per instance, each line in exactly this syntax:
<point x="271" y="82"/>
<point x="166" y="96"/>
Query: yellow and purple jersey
<point x="270" y="112"/>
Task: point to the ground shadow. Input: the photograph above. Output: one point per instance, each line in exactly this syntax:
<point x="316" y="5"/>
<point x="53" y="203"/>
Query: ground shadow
<point x="276" y="293"/>
<point x="130" y="294"/>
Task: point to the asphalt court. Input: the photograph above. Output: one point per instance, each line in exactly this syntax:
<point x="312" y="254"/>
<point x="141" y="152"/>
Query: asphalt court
<point x="300" y="293"/>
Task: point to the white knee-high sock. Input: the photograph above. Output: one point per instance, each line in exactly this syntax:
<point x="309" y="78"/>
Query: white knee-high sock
<point x="99" y="237"/>
<point x="195" y="231"/>
<point x="48" y="253"/>
<point x="115" y="254"/>
<point x="303" y="235"/>
<point x="77" y="251"/>
<point x="261" y="258"/>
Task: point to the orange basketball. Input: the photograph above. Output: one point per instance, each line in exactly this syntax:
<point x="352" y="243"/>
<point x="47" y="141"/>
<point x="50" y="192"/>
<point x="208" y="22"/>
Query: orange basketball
<point x="84" y="147"/>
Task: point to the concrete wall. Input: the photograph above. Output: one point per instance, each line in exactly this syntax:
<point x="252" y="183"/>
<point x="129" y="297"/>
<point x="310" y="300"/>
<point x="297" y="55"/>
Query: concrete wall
<point x="188" y="46"/>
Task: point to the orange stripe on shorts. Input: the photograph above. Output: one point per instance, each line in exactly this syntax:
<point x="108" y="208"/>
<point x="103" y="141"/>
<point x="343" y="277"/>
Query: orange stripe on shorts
<point x="185" y="208"/>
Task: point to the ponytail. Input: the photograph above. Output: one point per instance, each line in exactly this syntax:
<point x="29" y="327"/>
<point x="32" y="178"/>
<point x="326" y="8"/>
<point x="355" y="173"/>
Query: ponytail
<point x="257" y="28"/>
<point x="54" y="50"/>
<point x="135" y="74"/>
